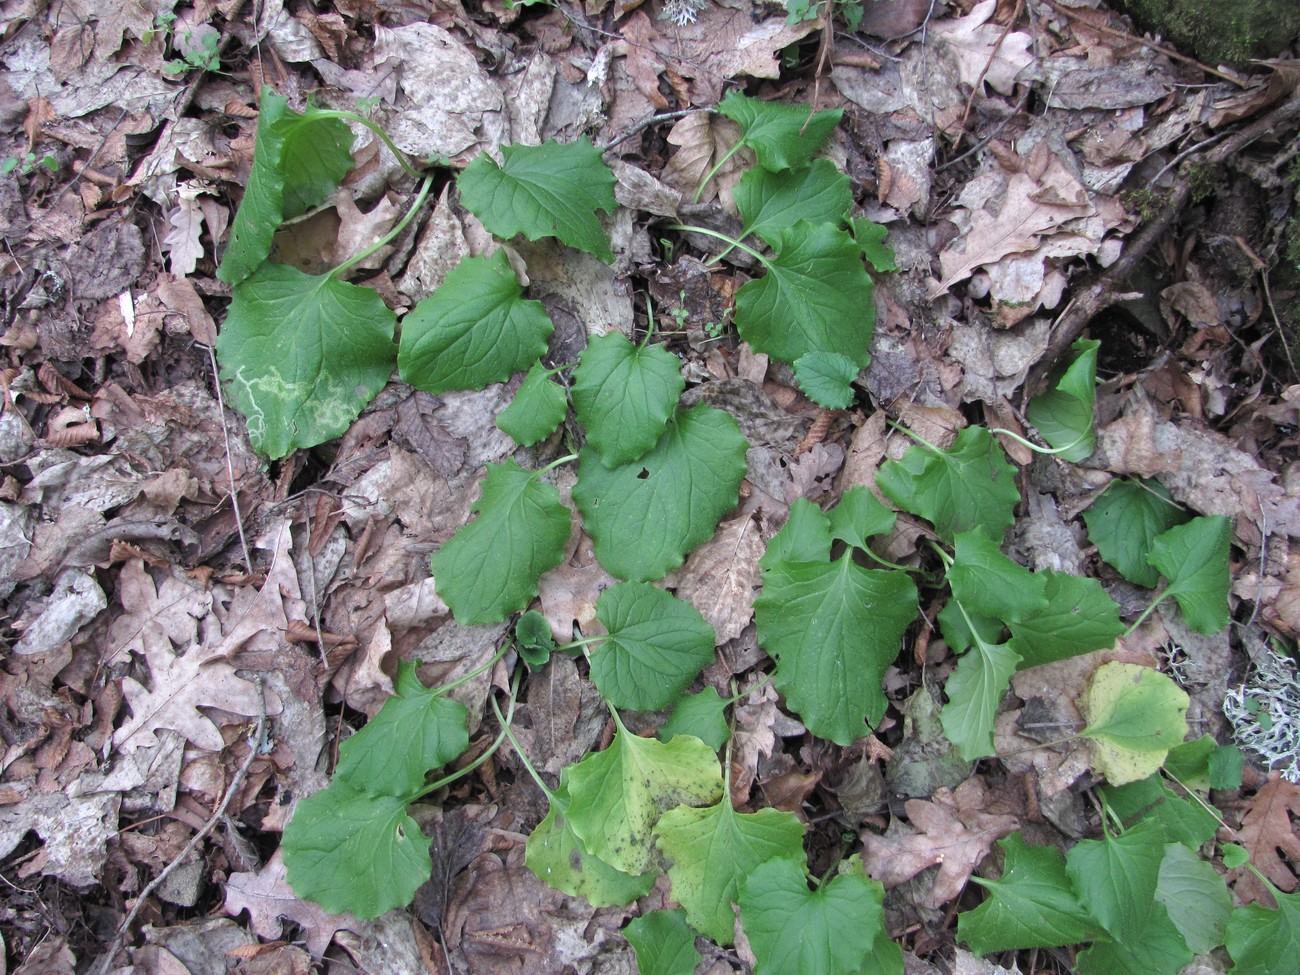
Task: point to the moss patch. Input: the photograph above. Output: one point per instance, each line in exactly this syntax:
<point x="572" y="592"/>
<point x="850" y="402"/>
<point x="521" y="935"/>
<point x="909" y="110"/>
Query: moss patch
<point x="1220" y="31"/>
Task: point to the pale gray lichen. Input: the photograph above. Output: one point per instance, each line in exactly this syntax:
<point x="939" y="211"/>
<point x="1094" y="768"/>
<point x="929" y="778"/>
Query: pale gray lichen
<point x="1265" y="714"/>
<point x="682" y="12"/>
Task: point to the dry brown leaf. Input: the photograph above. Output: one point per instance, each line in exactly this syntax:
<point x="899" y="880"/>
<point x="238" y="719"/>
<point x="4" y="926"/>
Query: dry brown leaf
<point x="269" y="900"/>
<point x="702" y="140"/>
<point x="974" y="41"/>
<point x="161" y="623"/>
<point x="952" y="830"/>
<point x="721" y="577"/>
<point x="1268" y="834"/>
<point x="358" y="230"/>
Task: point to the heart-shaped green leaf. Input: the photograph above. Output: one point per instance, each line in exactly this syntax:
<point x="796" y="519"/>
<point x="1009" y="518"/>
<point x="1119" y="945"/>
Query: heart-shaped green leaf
<point x="770" y="201"/>
<point x="624" y="394"/>
<point x="1064" y="414"/>
<point x="476" y="329"/>
<point x="644" y="517"/>
<point x="1194" y="558"/>
<point x="551" y="190"/>
<point x="490" y="567"/>
<point x="303" y="354"/>
<point x="537" y="409"/>
<point x="783" y="136"/>
<point x="815" y="297"/>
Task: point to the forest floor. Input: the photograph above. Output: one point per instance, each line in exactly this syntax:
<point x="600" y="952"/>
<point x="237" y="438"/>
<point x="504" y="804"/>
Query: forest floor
<point x="190" y="630"/>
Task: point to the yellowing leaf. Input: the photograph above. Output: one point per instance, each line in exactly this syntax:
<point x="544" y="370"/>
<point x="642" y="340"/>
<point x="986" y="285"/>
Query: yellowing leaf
<point x="1135" y="715"/>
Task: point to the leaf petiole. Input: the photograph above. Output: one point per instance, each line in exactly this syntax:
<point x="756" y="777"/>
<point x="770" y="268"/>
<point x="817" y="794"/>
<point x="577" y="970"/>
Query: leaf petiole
<point x="551" y="797"/>
<point x="391" y="235"/>
<point x="1033" y="446"/>
<point x="476" y="671"/>
<point x="584" y="642"/>
<point x="447" y="780"/>
<point x="554" y="464"/>
<point x="1145" y="613"/>
<point x="725" y="239"/>
<point x="714" y="171"/>
<point x="402" y="158"/>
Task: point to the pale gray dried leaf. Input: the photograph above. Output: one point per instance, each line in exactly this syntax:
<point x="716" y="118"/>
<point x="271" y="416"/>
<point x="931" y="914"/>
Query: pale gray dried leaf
<point x="75" y="601"/>
<point x="74" y="834"/>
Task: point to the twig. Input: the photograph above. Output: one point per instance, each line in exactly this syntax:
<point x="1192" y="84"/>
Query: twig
<point x="997" y="131"/>
<point x="230" y="464"/>
<point x="256" y="747"/>
<point x="645" y="123"/>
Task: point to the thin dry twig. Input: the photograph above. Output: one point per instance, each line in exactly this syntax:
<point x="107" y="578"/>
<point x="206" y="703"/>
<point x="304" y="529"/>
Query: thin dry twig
<point x="257" y="746"/>
<point x="230" y="464"/>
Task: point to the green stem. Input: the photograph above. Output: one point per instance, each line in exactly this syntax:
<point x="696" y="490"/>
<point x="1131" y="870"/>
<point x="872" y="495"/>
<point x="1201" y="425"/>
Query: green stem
<point x="554" y="464"/>
<point x="725" y="239"/>
<point x="1145" y="613"/>
<point x="915" y="437"/>
<point x="714" y="171"/>
<point x="447" y="780"/>
<point x="948" y="560"/>
<point x="476" y="671"/>
<point x="650" y="319"/>
<point x="585" y="642"/>
<point x="402" y="158"/>
<point x="1034" y="447"/>
<point x="551" y="797"/>
<point x="766" y="679"/>
<point x="391" y="235"/>
<point x="881" y="560"/>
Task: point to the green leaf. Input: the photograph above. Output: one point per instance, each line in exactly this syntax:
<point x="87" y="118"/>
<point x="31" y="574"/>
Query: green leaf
<point x="351" y="851"/>
<point x="969" y="485"/>
<point x="1080" y="617"/>
<point x="975" y="690"/>
<point x="417" y="730"/>
<point x="1124" y="522"/>
<point x="1064" y="414"/>
<point x="624" y="394"/>
<point x="1234" y="856"/>
<point x="476" y="329"/>
<point x="805" y="537"/>
<point x="1189" y="762"/>
<point x="782" y="135"/>
<point x="770" y="201"/>
<point x="1116" y="877"/>
<point x="1184" y="820"/>
<point x="870" y="238"/>
<point x="857" y="517"/>
<point x="298" y="161"/>
<point x="490" y="567"/>
<point x="655" y="647"/>
<point x="1032" y="906"/>
<point x="712" y="851"/>
<point x="663" y="943"/>
<point x="557" y="857"/>
<point x="826" y="378"/>
<point x="961" y="629"/>
<point x="1159" y="949"/>
<point x="537" y="409"/>
<point x="833" y="628"/>
<point x="1194" y="558"/>
<point x="815" y="297"/>
<point x="1135" y="715"/>
<point x="533" y="639"/>
<point x="1227" y="765"/>
<point x="703" y="715"/>
<point x="1196" y="898"/>
<point x="644" y="517"/>
<point x="986" y="582"/>
<point x="1264" y="942"/>
<point x="551" y="190"/>
<point x="304" y="354"/>
<point x="619" y="794"/>
<point x="796" y="931"/>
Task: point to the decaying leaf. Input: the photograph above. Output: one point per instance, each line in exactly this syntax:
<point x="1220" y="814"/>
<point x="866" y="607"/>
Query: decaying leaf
<point x="952" y="830"/>
<point x="1268" y="834"/>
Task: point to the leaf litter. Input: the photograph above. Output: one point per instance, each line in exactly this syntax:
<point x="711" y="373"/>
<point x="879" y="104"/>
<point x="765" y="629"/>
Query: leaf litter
<point x="168" y="591"/>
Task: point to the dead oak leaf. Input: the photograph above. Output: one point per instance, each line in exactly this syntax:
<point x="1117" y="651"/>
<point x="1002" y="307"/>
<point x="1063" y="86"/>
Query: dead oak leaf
<point x="1268" y="834"/>
<point x="162" y="622"/>
<point x="952" y="831"/>
<point x="270" y="901"/>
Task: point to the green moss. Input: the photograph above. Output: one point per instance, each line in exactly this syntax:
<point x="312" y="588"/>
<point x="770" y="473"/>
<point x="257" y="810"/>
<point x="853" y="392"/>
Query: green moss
<point x="1220" y="31"/>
